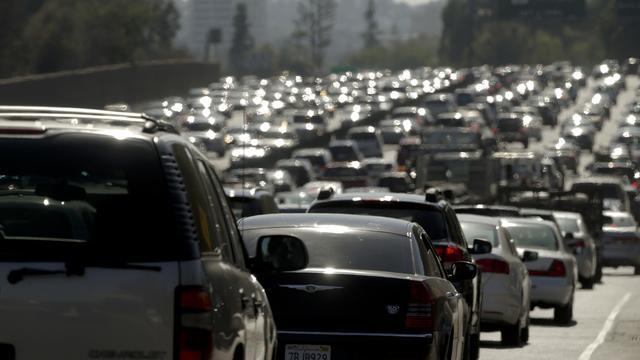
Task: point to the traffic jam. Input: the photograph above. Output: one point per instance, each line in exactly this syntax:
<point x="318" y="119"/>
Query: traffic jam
<point x="431" y="213"/>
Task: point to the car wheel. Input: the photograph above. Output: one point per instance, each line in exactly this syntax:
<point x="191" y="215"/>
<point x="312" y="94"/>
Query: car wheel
<point x="511" y="335"/>
<point x="598" y="276"/>
<point x="524" y="333"/>
<point x="588" y="283"/>
<point x="563" y="314"/>
<point x="525" y="144"/>
<point x="474" y="346"/>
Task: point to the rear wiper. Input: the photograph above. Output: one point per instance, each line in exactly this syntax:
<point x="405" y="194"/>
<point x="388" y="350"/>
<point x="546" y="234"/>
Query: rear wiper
<point x="73" y="268"/>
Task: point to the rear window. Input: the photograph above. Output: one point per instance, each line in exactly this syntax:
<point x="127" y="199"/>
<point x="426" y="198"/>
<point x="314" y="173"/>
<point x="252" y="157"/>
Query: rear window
<point x="534" y="237"/>
<point x="350" y="250"/>
<point x="509" y="124"/>
<point x="568" y="225"/>
<point x="480" y="231"/>
<point x="93" y="192"/>
<point x="431" y="220"/>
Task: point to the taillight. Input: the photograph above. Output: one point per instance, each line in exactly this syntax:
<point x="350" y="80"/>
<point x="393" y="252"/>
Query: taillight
<point x="194" y="323"/>
<point x="495" y="130"/>
<point x="449" y="253"/>
<point x="493" y="266"/>
<point x="420" y="307"/>
<point x="556" y="269"/>
<point x="578" y="246"/>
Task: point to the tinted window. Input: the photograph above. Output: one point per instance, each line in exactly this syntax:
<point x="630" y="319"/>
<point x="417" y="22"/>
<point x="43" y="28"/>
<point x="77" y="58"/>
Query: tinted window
<point x="533" y="236"/>
<point x="350" y="250"/>
<point x="109" y="193"/>
<point x="474" y="231"/>
<point x="509" y="124"/>
<point x="431" y="220"/>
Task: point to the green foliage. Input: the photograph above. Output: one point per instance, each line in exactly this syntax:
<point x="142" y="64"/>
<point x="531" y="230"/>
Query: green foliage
<point x="68" y="34"/>
<point x="496" y="41"/>
<point x="419" y="51"/>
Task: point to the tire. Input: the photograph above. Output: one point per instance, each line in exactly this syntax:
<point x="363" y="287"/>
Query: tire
<point x="598" y="277"/>
<point x="563" y="314"/>
<point x="588" y="283"/>
<point x="511" y="335"/>
<point x="525" y="144"/>
<point x="524" y="334"/>
<point x="474" y="346"/>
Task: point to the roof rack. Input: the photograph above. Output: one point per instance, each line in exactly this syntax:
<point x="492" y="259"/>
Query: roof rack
<point x="150" y="124"/>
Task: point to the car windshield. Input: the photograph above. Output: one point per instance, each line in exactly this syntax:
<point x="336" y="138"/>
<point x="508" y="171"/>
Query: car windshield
<point x="533" y="236"/>
<point x="474" y="231"/>
<point x="431" y="220"/>
<point x="93" y="189"/>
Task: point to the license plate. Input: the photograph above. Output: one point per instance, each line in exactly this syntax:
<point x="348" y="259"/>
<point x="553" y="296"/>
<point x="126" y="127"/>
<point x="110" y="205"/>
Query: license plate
<point x="307" y="352"/>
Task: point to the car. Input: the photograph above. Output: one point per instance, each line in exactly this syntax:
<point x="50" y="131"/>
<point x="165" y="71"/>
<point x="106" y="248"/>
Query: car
<point x="393" y="131"/>
<point x="554" y="274"/>
<point x="294" y="201"/>
<point x="421" y="115"/>
<point x="248" y="156"/>
<point x="318" y="157"/>
<point x="384" y="271"/>
<point x="488" y="210"/>
<point x="300" y="169"/>
<point x="250" y="202"/>
<point x="345" y="150"/>
<point x="127" y="229"/>
<point x="437" y="104"/>
<point x="580" y="242"/>
<point x="531" y="120"/>
<point x="349" y="174"/>
<point x="610" y="188"/>
<point x="374" y="167"/>
<point x="438" y="219"/>
<point x="407" y="152"/>
<point x="510" y="128"/>
<point x="395" y="181"/>
<point x="369" y="140"/>
<point x="620" y="241"/>
<point x="506" y="287"/>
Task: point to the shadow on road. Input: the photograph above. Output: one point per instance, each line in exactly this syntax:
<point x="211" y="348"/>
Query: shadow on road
<point x="551" y="323"/>
<point x="498" y="345"/>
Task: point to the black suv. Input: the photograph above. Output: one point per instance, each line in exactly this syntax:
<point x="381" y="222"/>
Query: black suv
<point x="440" y="222"/>
<point x="116" y="216"/>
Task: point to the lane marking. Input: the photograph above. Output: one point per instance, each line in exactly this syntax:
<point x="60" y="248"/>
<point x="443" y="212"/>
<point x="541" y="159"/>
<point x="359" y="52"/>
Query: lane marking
<point x="586" y="354"/>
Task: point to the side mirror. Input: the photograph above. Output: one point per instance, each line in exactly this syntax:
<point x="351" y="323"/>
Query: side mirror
<point x="280" y="253"/>
<point x="529" y="256"/>
<point x="481" y="246"/>
<point x="463" y="270"/>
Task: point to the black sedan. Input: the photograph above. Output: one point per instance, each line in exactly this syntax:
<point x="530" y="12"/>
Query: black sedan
<point x="373" y="289"/>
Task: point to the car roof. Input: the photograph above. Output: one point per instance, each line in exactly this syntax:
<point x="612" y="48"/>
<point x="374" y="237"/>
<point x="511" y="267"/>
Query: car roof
<point x="330" y="222"/>
<point x="384" y="196"/>
<point x="488" y="220"/>
<point x="528" y="221"/>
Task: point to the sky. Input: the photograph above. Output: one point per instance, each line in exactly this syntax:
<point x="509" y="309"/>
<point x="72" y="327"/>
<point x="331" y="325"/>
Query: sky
<point x="413" y="2"/>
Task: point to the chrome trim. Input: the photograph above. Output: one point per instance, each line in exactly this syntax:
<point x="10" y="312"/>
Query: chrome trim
<point x="417" y="336"/>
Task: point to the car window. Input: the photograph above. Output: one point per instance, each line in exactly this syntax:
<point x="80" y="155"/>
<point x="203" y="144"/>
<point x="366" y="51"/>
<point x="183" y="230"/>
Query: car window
<point x="568" y="225"/>
<point x="106" y="193"/>
<point x="430" y="219"/>
<point x="474" y="231"/>
<point x="432" y="266"/>
<point x="534" y="236"/>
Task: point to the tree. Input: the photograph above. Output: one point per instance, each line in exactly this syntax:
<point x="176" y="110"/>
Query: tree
<point x="315" y="23"/>
<point x="66" y="34"/>
<point x="370" y="34"/>
<point x="242" y="44"/>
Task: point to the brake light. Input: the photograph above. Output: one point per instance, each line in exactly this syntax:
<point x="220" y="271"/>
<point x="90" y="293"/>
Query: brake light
<point x="495" y="130"/>
<point x="420" y="307"/>
<point x="493" y="266"/>
<point x="556" y="269"/>
<point x="193" y="321"/>
<point x="449" y="253"/>
<point x="634" y="184"/>
<point x="36" y="130"/>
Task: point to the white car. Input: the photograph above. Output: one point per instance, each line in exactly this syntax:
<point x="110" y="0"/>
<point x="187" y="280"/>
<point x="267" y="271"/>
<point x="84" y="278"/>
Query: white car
<point x="620" y="241"/>
<point x="577" y="238"/>
<point x="554" y="274"/>
<point x="506" y="286"/>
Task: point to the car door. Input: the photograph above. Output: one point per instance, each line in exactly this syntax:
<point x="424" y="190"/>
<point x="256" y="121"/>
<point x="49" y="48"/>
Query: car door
<point x="213" y="269"/>
<point x="519" y="268"/>
<point x="252" y="296"/>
